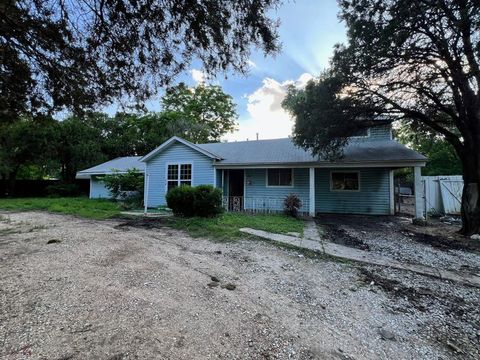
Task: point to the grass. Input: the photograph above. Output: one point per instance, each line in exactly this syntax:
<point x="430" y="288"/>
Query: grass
<point x="226" y="226"/>
<point x="89" y="208"/>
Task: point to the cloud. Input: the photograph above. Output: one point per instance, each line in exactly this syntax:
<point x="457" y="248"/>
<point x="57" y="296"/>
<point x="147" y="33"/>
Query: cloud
<point x="198" y="76"/>
<point x="265" y="113"/>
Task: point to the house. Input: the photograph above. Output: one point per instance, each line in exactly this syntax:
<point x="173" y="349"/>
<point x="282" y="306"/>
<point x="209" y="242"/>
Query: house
<point x="121" y="165"/>
<point x="257" y="175"/>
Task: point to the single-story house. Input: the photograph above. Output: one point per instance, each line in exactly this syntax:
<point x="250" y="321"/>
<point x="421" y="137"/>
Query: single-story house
<point x="120" y="165"/>
<point x="257" y="175"/>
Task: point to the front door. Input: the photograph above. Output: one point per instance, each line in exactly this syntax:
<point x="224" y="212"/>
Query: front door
<point x="235" y="190"/>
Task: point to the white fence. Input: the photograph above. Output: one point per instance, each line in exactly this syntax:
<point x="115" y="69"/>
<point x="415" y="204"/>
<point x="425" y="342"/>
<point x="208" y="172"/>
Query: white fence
<point x="443" y="194"/>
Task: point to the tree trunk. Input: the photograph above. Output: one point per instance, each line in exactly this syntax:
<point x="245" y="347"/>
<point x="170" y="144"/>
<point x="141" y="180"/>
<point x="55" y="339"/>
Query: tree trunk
<point x="471" y="209"/>
<point x="471" y="194"/>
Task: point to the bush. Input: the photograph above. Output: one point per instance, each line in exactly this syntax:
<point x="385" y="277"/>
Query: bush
<point x="127" y="187"/>
<point x="291" y="205"/>
<point x="181" y="200"/>
<point x="202" y="200"/>
<point x="208" y="201"/>
<point x="62" y="190"/>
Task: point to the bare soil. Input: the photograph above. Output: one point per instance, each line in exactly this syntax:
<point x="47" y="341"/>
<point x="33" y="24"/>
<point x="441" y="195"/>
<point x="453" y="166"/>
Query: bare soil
<point x="80" y="289"/>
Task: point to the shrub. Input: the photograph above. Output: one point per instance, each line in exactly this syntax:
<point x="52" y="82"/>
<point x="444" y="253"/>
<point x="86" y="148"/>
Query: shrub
<point x="127" y="187"/>
<point x="181" y="200"/>
<point x="291" y="205"/>
<point x="202" y="200"/>
<point x="208" y="201"/>
<point x="63" y="190"/>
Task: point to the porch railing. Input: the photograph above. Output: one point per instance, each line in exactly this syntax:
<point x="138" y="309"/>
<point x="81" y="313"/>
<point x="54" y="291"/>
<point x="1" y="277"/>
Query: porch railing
<point x="258" y="204"/>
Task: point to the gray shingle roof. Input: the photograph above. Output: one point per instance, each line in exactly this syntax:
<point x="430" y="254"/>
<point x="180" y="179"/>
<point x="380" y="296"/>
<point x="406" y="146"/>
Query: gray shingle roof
<point x="119" y="164"/>
<point x="283" y="151"/>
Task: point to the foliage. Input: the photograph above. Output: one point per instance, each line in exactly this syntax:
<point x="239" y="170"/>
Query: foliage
<point x="62" y="190"/>
<point x="208" y="201"/>
<point x="27" y="143"/>
<point x="84" y="207"/>
<point x="127" y="187"/>
<point x="206" y="109"/>
<point x="188" y="201"/>
<point x="442" y="158"/>
<point x="291" y="205"/>
<point x="61" y="54"/>
<point x="225" y="227"/>
<point x="321" y="116"/>
<point x="411" y="60"/>
<point x="181" y="200"/>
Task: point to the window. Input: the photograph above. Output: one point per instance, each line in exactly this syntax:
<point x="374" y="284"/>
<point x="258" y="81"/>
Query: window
<point x="179" y="174"/>
<point x="280" y="177"/>
<point x="345" y="181"/>
<point x="362" y="133"/>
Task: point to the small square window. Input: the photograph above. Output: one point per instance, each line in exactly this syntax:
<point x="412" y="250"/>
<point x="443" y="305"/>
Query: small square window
<point x="345" y="181"/>
<point x="279" y="177"/>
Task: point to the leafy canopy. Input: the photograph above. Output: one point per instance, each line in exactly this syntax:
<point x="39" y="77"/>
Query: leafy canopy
<point x="205" y="111"/>
<point x="77" y="54"/>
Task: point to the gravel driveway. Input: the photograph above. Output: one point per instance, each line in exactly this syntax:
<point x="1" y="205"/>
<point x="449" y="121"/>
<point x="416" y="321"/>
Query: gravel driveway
<point x="82" y="289"/>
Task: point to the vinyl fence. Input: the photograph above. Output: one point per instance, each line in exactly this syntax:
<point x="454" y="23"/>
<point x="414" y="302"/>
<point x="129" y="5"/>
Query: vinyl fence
<point x="443" y="194"/>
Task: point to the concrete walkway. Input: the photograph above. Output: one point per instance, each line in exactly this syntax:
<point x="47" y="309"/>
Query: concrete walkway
<point x="312" y="241"/>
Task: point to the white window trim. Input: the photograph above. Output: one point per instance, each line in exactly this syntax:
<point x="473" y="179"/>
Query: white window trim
<point x="279" y="186"/>
<point x="345" y="172"/>
<point x="178" y="179"/>
<point x="362" y="137"/>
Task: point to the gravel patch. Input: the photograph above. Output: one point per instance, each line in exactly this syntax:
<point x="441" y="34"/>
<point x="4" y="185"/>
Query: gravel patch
<point x="105" y="291"/>
<point x="396" y="238"/>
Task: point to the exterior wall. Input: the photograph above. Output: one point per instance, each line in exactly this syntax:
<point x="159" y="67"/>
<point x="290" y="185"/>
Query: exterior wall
<point x="98" y="189"/>
<point x="258" y="195"/>
<point x="202" y="171"/>
<point x="373" y="197"/>
<point x="377" y="133"/>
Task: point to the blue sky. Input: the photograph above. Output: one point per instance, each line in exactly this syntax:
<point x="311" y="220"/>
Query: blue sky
<point x="309" y="29"/>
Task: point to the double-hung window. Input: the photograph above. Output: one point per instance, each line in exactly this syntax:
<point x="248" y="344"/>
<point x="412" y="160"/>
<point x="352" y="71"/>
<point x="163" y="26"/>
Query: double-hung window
<point x="179" y="174"/>
<point x="280" y="177"/>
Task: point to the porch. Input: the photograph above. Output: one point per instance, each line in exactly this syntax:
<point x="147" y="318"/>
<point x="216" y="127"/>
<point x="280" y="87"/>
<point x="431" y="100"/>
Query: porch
<point x="341" y="190"/>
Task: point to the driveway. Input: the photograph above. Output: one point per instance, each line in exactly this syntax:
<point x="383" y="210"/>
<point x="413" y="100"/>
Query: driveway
<point x="78" y="289"/>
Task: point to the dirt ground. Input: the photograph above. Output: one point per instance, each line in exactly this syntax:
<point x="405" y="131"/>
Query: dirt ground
<point x="80" y="289"/>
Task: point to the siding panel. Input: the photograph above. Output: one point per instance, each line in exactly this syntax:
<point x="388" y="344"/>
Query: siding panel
<point x="373" y="197"/>
<point x="98" y="189"/>
<point x="202" y="170"/>
<point x="256" y="189"/>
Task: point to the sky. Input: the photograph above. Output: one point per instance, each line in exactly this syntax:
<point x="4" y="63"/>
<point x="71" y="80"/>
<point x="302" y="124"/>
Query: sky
<point x="308" y="31"/>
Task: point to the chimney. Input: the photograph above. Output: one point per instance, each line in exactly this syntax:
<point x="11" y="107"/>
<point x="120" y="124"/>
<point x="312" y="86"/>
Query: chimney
<point x="257" y="136"/>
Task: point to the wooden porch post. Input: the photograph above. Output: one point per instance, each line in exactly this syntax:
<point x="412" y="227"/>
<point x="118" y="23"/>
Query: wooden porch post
<point x="311" y="200"/>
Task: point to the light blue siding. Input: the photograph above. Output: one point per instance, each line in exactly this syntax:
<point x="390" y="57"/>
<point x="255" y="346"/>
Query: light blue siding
<point x="98" y="189"/>
<point x="376" y="133"/>
<point x="373" y="197"/>
<point x="258" y="195"/>
<point x="202" y="170"/>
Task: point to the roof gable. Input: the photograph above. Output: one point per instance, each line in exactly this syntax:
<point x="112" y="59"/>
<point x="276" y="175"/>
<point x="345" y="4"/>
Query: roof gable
<point x="173" y="140"/>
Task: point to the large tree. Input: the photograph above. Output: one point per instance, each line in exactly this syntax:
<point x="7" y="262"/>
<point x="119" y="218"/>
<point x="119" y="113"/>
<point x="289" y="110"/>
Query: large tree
<point x="417" y="61"/>
<point x="59" y="54"/>
<point x="205" y="111"/>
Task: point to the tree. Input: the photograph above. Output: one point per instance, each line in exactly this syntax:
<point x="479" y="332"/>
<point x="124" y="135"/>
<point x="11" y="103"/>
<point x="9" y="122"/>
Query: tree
<point x="205" y="112"/>
<point x="442" y="158"/>
<point x="26" y="143"/>
<point x="77" y="54"/>
<point x="417" y="61"/>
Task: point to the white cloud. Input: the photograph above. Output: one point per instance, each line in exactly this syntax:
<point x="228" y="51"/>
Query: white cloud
<point x="198" y="76"/>
<point x="265" y="113"/>
<point x="252" y="64"/>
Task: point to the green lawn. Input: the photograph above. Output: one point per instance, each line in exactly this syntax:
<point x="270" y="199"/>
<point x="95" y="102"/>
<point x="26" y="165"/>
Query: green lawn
<point x="81" y="206"/>
<point x="227" y="225"/>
